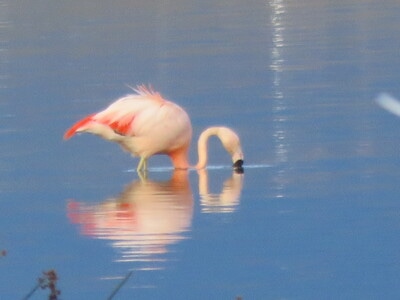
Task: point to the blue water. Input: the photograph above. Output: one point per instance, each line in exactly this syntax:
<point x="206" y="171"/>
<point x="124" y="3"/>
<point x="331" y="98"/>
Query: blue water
<point x="316" y="214"/>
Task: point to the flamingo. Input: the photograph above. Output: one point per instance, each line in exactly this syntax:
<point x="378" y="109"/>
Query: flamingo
<point x="145" y="124"/>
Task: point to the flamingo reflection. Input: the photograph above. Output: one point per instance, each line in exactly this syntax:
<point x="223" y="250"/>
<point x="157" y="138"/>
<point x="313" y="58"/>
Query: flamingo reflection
<point x="148" y="215"/>
<point x="227" y="200"/>
<point x="143" y="220"/>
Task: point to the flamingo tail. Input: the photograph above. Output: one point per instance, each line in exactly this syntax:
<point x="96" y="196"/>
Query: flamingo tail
<point x="74" y="128"/>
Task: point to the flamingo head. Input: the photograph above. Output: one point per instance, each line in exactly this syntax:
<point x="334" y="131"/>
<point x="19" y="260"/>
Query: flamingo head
<point x="231" y="142"/>
<point x="237" y="158"/>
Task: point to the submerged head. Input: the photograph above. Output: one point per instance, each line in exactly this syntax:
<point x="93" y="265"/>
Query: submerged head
<point x="238" y="166"/>
<point x="238" y="159"/>
<point x="231" y="142"/>
<point x="229" y="139"/>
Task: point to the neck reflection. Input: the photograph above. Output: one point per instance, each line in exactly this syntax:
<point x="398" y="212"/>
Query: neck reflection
<point x="224" y="202"/>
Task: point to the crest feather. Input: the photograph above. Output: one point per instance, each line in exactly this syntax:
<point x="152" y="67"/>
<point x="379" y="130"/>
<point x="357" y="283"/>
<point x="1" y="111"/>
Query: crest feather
<point x="149" y="92"/>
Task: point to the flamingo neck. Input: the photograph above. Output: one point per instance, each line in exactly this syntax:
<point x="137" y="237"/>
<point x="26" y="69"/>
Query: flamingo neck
<point x="228" y="138"/>
<point x="202" y="146"/>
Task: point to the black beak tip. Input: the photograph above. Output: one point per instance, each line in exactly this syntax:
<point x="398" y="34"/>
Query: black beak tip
<point x="238" y="166"/>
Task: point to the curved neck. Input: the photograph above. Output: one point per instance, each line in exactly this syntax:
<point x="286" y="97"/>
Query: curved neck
<point x="202" y="146"/>
<point x="229" y="139"/>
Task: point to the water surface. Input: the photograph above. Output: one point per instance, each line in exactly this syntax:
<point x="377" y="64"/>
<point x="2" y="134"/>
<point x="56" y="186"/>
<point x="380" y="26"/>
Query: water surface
<point x="314" y="216"/>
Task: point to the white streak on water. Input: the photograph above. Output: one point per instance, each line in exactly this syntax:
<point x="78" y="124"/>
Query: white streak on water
<point x="213" y="167"/>
<point x="389" y="103"/>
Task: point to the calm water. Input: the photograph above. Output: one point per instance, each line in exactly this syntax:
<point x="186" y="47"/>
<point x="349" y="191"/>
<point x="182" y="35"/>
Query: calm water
<point x="316" y="214"/>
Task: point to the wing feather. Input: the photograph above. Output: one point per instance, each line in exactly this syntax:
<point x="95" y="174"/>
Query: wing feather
<point x="122" y="114"/>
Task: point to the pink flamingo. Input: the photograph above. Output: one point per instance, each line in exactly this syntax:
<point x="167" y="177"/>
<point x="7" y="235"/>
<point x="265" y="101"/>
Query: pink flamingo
<point x="145" y="124"/>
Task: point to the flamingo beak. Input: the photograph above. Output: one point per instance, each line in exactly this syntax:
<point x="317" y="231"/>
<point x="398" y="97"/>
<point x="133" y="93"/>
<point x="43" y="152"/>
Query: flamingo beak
<point x="238" y="161"/>
<point x="238" y="166"/>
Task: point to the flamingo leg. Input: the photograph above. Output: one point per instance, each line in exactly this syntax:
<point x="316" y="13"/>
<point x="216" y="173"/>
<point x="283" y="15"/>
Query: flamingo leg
<point x="142" y="175"/>
<point x="142" y="166"/>
<point x="145" y="165"/>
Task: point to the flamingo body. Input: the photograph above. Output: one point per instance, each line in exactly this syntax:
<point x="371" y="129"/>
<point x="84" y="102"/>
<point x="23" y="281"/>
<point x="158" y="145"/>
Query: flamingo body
<point x="146" y="124"/>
